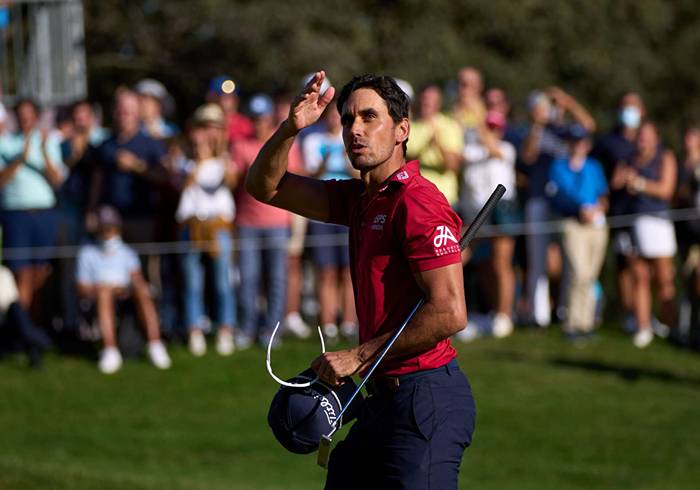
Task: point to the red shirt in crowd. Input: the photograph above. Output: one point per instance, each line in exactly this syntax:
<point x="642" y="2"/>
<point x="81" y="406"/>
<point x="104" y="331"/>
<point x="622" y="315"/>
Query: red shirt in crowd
<point x="249" y="211"/>
<point x="239" y="127"/>
<point x="407" y="227"/>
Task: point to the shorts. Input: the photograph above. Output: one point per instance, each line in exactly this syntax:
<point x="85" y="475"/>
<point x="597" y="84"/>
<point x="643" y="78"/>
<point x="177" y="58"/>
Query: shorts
<point x="506" y="212"/>
<point x="653" y="237"/>
<point x="329" y="244"/>
<point x="23" y="230"/>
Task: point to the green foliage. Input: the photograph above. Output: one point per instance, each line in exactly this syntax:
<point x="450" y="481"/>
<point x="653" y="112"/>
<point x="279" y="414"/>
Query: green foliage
<point x="597" y="49"/>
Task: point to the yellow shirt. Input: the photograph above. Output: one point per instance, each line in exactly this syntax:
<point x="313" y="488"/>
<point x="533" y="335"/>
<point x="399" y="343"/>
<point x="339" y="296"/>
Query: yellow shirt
<point x="421" y="147"/>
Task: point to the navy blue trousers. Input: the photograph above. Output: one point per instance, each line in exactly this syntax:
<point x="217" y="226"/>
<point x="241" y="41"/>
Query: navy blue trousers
<point x="413" y="438"/>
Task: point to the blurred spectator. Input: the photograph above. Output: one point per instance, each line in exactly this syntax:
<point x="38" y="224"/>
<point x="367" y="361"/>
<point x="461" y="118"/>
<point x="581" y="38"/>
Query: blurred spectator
<point x="688" y="196"/>
<point x="224" y="91"/>
<point x="263" y="231"/>
<point x="469" y="109"/>
<point x="610" y="149"/>
<point x="205" y="214"/>
<point x="325" y="158"/>
<point x="293" y="322"/>
<point x="154" y="101"/>
<point x="3" y="120"/>
<point x="78" y="153"/>
<point x="488" y="162"/>
<point x="31" y="170"/>
<point x="129" y="171"/>
<point x="496" y="100"/>
<point x="649" y="179"/>
<point x="578" y="190"/>
<point x="109" y="273"/>
<point x="15" y="323"/>
<point x="543" y="144"/>
<point x="436" y="142"/>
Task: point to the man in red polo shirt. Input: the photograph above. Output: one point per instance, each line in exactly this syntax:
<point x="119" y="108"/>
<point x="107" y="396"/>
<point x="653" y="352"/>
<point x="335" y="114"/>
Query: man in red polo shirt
<point x="413" y="429"/>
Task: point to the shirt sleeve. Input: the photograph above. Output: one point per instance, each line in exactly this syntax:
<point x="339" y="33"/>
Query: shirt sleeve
<point x="343" y="195"/>
<point x="428" y="229"/>
<point x="132" y="261"/>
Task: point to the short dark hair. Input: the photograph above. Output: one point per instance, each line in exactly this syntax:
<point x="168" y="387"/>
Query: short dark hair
<point x="396" y="100"/>
<point x="28" y="100"/>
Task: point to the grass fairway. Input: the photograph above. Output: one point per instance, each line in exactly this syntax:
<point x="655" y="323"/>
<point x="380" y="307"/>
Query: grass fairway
<point x="551" y="415"/>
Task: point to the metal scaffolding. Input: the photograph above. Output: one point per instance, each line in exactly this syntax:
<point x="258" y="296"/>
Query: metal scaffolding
<point x="42" y="52"/>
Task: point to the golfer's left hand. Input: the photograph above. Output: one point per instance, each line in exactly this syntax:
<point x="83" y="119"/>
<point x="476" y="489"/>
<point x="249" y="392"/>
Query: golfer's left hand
<point x="332" y="367"/>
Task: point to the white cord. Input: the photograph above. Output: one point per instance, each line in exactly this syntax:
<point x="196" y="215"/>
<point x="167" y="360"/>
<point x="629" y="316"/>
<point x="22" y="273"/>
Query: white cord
<point x="269" y="366"/>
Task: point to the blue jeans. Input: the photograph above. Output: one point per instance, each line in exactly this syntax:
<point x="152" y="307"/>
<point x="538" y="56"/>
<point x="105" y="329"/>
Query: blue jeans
<point x="262" y="249"/>
<point x="193" y="272"/>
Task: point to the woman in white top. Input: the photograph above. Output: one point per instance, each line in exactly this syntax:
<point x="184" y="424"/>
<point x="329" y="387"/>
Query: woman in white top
<point x="205" y="214"/>
<point x="490" y="161"/>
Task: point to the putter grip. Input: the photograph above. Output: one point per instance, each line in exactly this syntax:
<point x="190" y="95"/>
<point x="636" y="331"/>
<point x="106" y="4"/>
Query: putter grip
<point x="496" y="196"/>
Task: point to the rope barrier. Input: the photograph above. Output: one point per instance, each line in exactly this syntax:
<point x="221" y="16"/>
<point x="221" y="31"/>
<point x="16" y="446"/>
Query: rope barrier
<point x="312" y="241"/>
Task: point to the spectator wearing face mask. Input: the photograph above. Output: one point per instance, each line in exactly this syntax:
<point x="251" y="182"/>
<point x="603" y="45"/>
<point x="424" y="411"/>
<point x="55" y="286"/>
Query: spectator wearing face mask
<point x="544" y="143"/>
<point x="617" y="146"/>
<point x="107" y="274"/>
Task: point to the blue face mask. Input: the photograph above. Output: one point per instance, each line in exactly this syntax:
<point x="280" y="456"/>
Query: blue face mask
<point x="630" y="116"/>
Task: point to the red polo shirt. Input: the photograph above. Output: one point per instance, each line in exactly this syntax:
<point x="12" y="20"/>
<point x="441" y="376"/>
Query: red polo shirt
<point x="406" y="227"/>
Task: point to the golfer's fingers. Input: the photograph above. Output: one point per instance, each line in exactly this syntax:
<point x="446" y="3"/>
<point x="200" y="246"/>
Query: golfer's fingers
<point x="327" y="97"/>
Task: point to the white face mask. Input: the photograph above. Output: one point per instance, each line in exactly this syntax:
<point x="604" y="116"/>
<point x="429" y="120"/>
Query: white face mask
<point x="630" y="116"/>
<point x="111" y="244"/>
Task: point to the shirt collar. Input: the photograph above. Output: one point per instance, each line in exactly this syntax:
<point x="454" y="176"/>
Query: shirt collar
<point x="403" y="175"/>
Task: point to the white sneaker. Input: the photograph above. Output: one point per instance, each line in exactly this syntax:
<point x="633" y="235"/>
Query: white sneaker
<point x="294" y="324"/>
<point x="158" y="355"/>
<point x="110" y="360"/>
<point x="643" y="338"/>
<point x="660" y="329"/>
<point x="349" y="331"/>
<point x="502" y="326"/>
<point x="330" y="332"/>
<point x="224" y="342"/>
<point x="197" y="343"/>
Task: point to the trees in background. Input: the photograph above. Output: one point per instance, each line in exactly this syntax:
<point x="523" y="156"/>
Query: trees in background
<point x="595" y="49"/>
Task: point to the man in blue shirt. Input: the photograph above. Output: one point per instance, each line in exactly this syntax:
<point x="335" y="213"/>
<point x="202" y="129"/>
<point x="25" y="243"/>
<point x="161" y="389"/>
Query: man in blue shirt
<point x="578" y="190"/>
<point x="130" y="171"/>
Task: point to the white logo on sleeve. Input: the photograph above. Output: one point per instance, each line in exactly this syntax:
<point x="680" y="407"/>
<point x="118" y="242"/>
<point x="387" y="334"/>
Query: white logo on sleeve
<point x="443" y="236"/>
<point x="444" y="241"/>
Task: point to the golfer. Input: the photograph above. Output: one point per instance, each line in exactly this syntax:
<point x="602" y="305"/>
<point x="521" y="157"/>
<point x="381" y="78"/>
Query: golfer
<point x="413" y="428"/>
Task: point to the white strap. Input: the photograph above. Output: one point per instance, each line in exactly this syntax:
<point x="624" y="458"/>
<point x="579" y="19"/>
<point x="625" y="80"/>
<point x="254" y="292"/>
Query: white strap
<point x="269" y="366"/>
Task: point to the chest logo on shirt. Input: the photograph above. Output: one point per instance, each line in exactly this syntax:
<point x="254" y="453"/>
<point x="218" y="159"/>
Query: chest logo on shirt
<point x="378" y="222"/>
<point x="443" y="236"/>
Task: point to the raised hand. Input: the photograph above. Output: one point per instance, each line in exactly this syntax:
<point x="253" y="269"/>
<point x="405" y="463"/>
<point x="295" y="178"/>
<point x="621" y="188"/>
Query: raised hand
<point x="310" y="103"/>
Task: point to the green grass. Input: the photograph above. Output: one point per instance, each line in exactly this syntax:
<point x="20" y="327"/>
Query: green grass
<point x="551" y="415"/>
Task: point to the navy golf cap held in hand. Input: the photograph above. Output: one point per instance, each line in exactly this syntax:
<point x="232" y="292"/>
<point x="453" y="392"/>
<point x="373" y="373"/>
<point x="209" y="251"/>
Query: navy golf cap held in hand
<point x="299" y="417"/>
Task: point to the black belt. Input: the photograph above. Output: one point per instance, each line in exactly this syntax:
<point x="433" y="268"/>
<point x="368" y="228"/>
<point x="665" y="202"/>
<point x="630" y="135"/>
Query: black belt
<point x="391" y="384"/>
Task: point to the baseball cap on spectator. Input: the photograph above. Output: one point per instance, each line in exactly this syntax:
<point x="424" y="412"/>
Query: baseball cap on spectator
<point x="153" y="88"/>
<point x="108" y="216"/>
<point x="576" y="132"/>
<point x="536" y="98"/>
<point x="222" y="85"/>
<point x="261" y="105"/>
<point x="406" y="87"/>
<point x="495" y="119"/>
<point x="209" y="114"/>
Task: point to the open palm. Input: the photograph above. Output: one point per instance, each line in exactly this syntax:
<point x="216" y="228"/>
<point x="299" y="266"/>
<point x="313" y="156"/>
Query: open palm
<point x="310" y="103"/>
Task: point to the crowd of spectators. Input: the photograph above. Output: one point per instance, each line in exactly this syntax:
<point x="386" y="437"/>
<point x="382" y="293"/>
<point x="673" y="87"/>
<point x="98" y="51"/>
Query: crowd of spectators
<point x="151" y="217"/>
